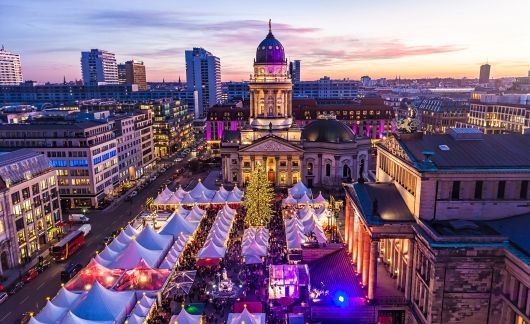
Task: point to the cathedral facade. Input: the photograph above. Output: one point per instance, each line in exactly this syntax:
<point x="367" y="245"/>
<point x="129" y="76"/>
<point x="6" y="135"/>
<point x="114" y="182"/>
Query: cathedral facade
<point x="323" y="153"/>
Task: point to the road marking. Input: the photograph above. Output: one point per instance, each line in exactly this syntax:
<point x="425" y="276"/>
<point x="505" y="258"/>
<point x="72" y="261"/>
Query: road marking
<point x="5" y="316"/>
<point x="23" y="300"/>
<point x="40" y="286"/>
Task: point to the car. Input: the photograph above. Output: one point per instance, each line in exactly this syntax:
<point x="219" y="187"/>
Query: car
<point x="30" y="275"/>
<point x="42" y="265"/>
<point x="16" y="287"/>
<point x="133" y="194"/>
<point x="153" y="178"/>
<point x="24" y="318"/>
<point x="179" y="159"/>
<point x="70" y="271"/>
<point x="3" y="297"/>
<point x="108" y="239"/>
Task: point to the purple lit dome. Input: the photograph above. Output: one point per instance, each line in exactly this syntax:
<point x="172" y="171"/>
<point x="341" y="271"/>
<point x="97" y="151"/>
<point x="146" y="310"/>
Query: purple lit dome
<point x="270" y="50"/>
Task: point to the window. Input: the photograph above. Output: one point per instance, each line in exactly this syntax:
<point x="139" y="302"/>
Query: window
<point x="310" y="168"/>
<point x="25" y="193"/>
<point x="524" y="189"/>
<point x="234" y="161"/>
<point x="295" y="164"/>
<point x="246" y="164"/>
<point x="234" y="177"/>
<point x="455" y="193"/>
<point x="478" y="189"/>
<point x="500" y="189"/>
<point x="15" y="198"/>
<point x="35" y="189"/>
<point x="283" y="163"/>
<point x="328" y="170"/>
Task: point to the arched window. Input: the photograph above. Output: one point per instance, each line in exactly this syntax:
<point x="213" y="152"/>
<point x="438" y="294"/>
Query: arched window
<point x="310" y="168"/>
<point x="346" y="172"/>
<point x="328" y="170"/>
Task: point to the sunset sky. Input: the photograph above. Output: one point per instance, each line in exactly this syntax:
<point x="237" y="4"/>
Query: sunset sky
<point x="341" y="39"/>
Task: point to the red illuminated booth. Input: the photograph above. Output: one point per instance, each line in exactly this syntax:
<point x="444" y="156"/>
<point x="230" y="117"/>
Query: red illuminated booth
<point x="143" y="277"/>
<point x="85" y="279"/>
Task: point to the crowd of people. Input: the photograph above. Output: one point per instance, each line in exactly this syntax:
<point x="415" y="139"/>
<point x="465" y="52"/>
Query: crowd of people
<point x="250" y="281"/>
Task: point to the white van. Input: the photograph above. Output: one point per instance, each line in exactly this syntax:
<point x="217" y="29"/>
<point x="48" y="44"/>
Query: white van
<point x="81" y="218"/>
<point x="85" y="228"/>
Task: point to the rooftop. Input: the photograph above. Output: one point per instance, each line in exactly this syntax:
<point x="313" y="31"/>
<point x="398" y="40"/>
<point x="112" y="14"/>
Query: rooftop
<point x="22" y="164"/>
<point x="491" y="151"/>
<point x="380" y="202"/>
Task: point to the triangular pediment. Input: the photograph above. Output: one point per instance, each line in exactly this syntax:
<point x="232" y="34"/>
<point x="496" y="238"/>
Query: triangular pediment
<point x="393" y="145"/>
<point x="271" y="144"/>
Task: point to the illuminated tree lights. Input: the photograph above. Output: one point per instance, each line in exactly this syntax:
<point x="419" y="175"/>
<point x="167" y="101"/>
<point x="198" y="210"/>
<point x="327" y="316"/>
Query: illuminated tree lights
<point x="258" y="198"/>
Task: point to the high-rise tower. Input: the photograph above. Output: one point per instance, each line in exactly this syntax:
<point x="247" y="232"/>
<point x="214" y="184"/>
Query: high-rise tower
<point x="10" y="69"/>
<point x="270" y="87"/>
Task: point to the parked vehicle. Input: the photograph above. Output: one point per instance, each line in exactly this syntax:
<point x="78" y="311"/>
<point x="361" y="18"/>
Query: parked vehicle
<point x="3" y="297"/>
<point x="70" y="271"/>
<point x="68" y="245"/>
<point x="43" y="265"/>
<point x="85" y="228"/>
<point x="16" y="287"/>
<point x="153" y="178"/>
<point x="24" y="318"/>
<point x="80" y="218"/>
<point x="30" y="275"/>
<point x="179" y="159"/>
<point x="133" y="194"/>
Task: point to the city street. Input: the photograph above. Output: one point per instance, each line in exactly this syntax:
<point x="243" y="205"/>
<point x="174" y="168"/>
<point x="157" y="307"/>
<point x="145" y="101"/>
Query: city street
<point x="33" y="295"/>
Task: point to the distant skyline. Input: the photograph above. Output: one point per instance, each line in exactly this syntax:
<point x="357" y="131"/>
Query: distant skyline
<point x="340" y="39"/>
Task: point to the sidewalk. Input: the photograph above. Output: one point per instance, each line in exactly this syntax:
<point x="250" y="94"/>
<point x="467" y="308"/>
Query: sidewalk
<point x="15" y="274"/>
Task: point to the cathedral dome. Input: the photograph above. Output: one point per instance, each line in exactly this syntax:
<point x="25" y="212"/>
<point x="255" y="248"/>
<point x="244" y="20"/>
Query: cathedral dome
<point x="270" y="50"/>
<point x="327" y="131"/>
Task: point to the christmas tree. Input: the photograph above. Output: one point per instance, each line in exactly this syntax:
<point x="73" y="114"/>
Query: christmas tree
<point x="258" y="198"/>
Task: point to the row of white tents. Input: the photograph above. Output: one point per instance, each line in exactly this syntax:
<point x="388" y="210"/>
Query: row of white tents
<point x="98" y="305"/>
<point x="198" y="195"/>
<point x="299" y="195"/>
<point x="305" y="222"/>
<point x="245" y="317"/>
<point x="215" y="245"/>
<point x="255" y="244"/>
<point x="131" y="247"/>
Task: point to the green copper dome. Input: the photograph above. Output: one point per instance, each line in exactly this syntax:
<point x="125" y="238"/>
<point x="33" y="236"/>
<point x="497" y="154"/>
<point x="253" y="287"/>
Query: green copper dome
<point x="327" y="131"/>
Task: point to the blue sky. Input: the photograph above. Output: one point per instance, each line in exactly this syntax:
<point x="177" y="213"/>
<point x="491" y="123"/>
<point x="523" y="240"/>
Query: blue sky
<point x="342" y="39"/>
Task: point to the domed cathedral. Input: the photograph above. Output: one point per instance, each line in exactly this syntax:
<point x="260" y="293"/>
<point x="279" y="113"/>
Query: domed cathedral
<point x="323" y="154"/>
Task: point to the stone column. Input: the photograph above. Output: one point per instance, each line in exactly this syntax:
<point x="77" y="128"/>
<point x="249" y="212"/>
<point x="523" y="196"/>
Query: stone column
<point x="353" y="237"/>
<point x="366" y="257"/>
<point x="338" y="171"/>
<point x="372" y="278"/>
<point x="399" y="263"/>
<point x="319" y="168"/>
<point x="409" y="271"/>
<point x="347" y="225"/>
<point x="289" y="171"/>
<point x="277" y="176"/>
<point x="359" y="246"/>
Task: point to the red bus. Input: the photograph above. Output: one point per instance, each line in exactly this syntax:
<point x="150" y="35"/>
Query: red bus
<point x="68" y="245"/>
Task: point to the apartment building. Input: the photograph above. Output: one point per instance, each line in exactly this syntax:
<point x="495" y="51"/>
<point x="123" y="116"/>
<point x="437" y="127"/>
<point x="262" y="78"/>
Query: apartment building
<point x="29" y="206"/>
<point x="498" y="114"/>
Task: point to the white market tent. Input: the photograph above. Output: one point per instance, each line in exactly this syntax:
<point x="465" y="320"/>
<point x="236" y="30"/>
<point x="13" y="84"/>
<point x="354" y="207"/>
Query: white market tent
<point x="150" y="239"/>
<point x="131" y="256"/>
<point x="185" y="318"/>
<point x="177" y="225"/>
<point x="246" y="317"/>
<point x="101" y="304"/>
<point x="51" y="313"/>
<point x="298" y="190"/>
<point x="289" y="201"/>
<point x="255" y="244"/>
<point x="198" y="195"/>
<point x="65" y="298"/>
<point x="211" y="251"/>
